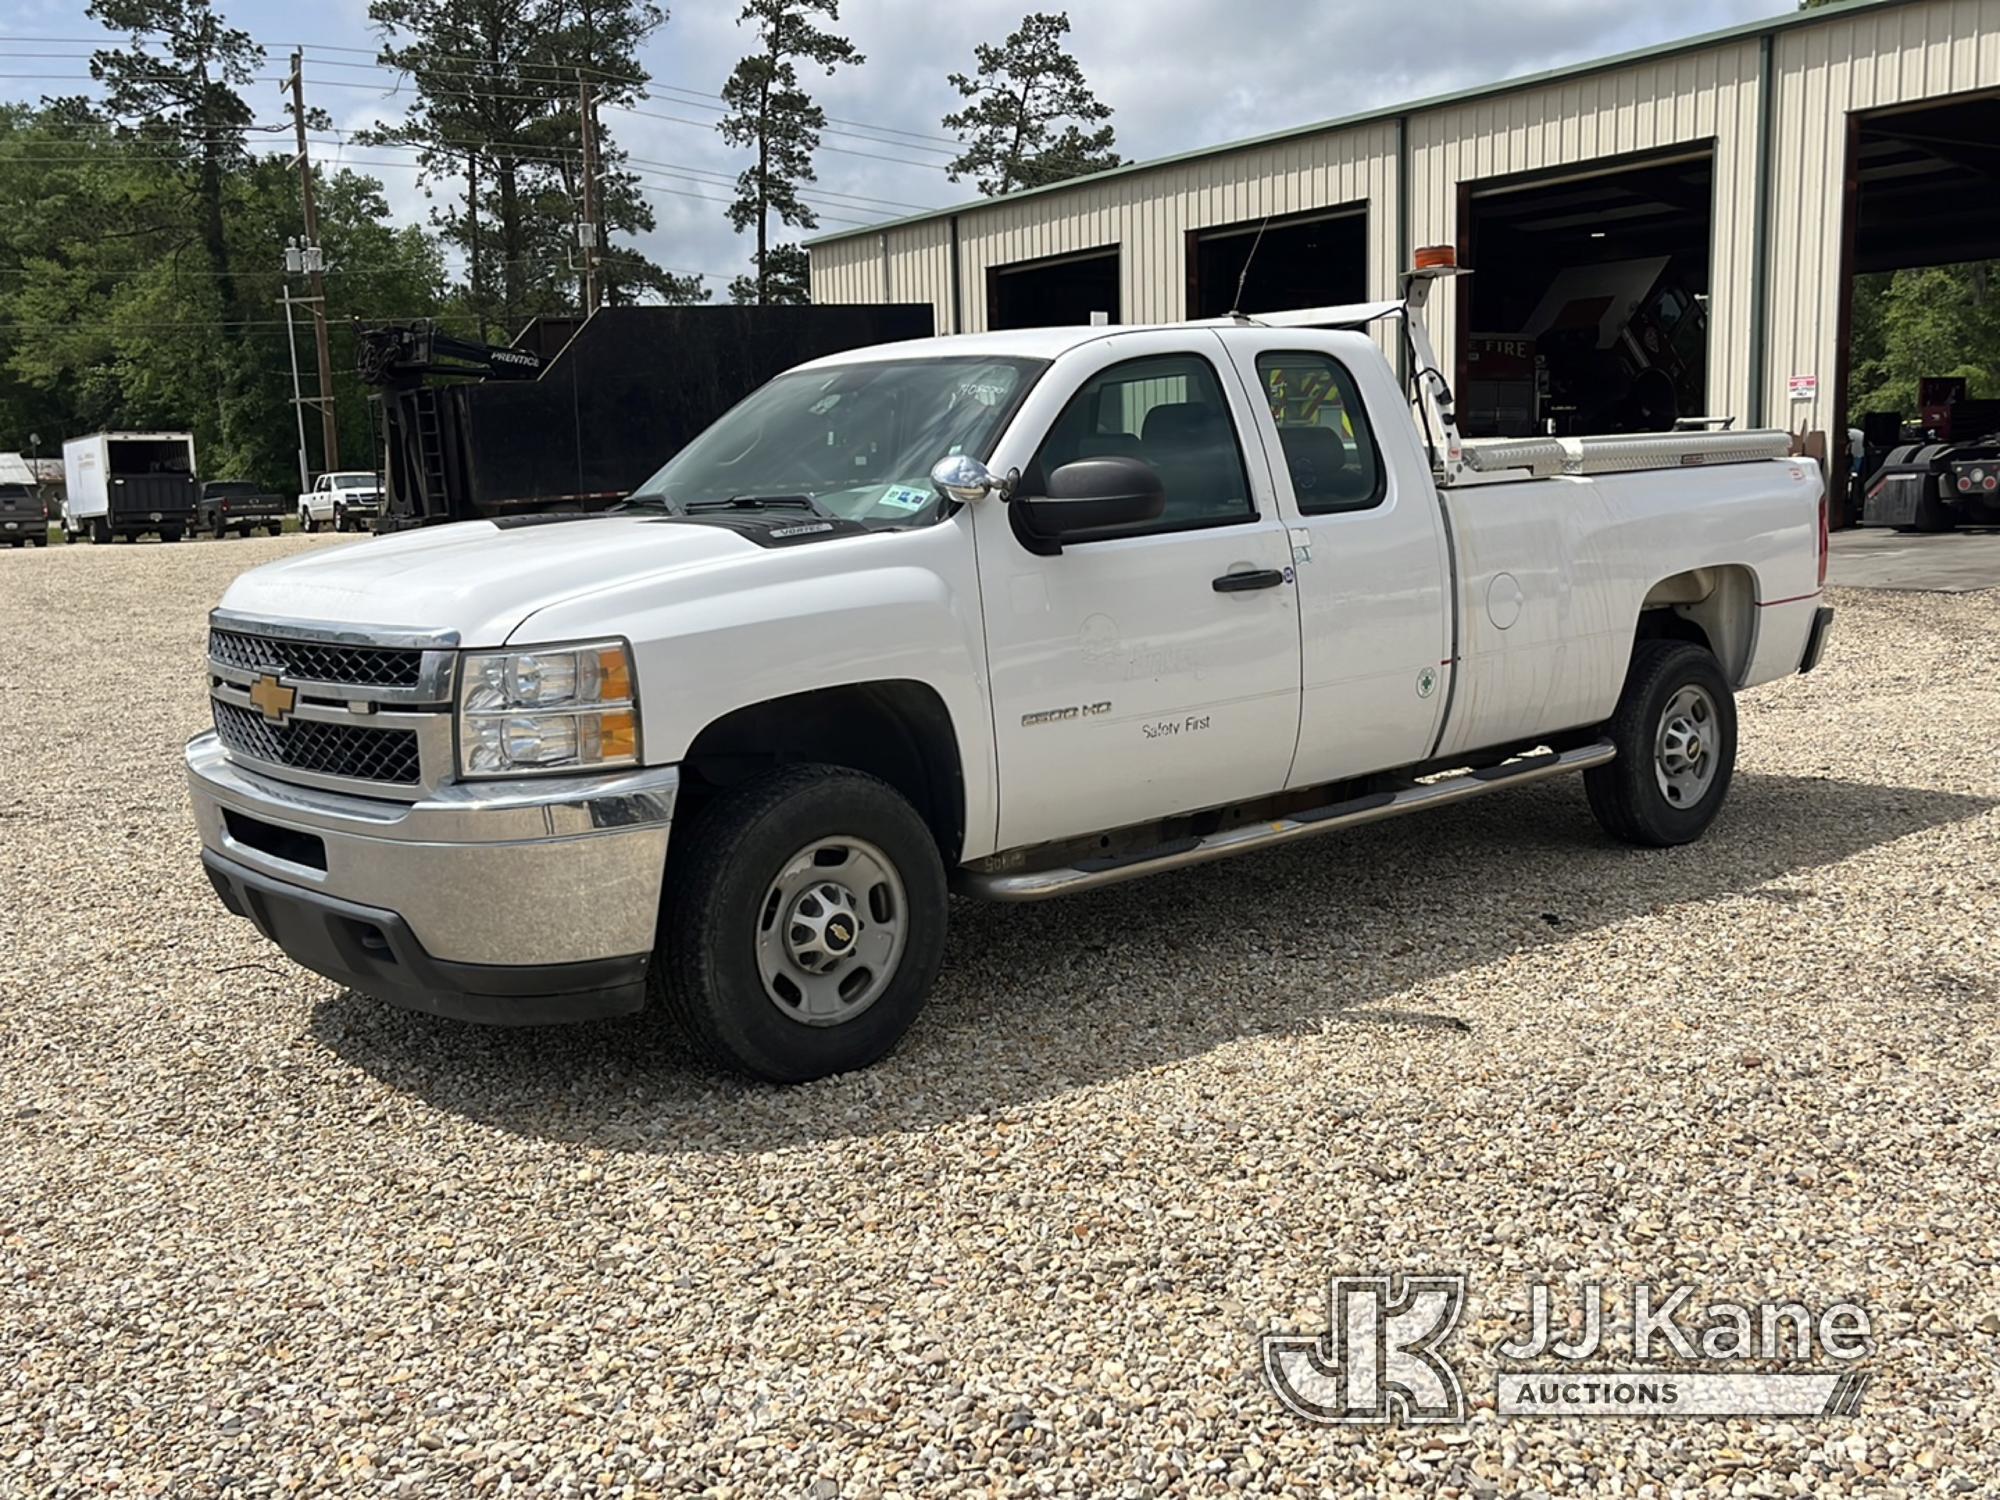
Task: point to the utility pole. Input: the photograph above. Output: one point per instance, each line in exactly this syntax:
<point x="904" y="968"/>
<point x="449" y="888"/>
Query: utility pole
<point x="587" y="231"/>
<point x="472" y="237"/>
<point x="298" y="400"/>
<point x="329" y="425"/>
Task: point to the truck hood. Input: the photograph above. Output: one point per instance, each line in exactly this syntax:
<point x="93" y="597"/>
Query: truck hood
<point x="477" y="578"/>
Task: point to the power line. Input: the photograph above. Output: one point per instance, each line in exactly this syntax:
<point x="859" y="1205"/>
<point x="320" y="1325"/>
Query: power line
<point x="481" y="66"/>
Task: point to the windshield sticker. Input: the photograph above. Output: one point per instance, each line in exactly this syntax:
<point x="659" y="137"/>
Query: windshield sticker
<point x="985" y="392"/>
<point x="905" y="497"/>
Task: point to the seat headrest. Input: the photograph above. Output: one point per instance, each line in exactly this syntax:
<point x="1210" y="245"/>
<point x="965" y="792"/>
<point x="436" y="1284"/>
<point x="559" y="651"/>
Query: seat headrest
<point x="1180" y="423"/>
<point x="1316" y="456"/>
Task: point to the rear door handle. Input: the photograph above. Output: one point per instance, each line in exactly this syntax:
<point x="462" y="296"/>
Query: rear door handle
<point x="1238" y="583"/>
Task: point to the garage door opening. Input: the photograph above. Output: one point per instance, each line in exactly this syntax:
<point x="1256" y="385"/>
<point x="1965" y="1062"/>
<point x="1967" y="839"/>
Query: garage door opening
<point x="1055" y="293"/>
<point x="1316" y="259"/>
<point x="1920" y="318"/>
<point x="1589" y="312"/>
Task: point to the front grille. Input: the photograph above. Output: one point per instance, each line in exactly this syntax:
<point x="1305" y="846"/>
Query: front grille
<point x="351" y="750"/>
<point x="317" y="661"/>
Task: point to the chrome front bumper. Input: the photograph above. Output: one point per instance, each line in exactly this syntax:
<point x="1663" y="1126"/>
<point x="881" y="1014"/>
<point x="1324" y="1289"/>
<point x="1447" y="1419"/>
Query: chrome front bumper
<point x="534" y="874"/>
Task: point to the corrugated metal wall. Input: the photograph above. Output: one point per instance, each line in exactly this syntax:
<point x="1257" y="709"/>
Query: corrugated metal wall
<point x="1874" y="58"/>
<point x="1824" y="73"/>
<point x="1694" y="98"/>
<point x="1145" y="214"/>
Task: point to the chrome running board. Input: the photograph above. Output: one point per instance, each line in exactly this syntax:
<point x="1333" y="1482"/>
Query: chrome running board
<point x="1090" y="874"/>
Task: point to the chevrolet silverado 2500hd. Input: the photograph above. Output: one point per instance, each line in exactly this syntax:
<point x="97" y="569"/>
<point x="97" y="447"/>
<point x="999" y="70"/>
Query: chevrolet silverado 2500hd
<point x="1016" y="613"/>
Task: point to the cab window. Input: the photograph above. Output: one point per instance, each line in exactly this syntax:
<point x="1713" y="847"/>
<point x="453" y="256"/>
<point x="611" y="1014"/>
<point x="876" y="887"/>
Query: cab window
<point x="1329" y="449"/>
<point x="1169" y="410"/>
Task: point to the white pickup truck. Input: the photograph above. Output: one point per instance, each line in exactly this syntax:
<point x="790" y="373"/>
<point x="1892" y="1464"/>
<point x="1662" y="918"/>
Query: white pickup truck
<point x="346" y="500"/>
<point x="1015" y="614"/>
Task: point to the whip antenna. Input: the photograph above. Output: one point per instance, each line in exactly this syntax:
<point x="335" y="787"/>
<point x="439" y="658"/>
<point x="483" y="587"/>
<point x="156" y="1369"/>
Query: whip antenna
<point x="1236" y="308"/>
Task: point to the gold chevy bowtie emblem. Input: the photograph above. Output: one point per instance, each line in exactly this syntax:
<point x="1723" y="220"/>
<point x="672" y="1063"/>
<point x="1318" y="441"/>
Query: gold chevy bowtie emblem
<point x="272" y="698"/>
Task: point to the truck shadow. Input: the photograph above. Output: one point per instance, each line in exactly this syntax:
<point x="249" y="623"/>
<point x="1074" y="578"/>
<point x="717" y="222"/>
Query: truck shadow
<point x="1037" y="1000"/>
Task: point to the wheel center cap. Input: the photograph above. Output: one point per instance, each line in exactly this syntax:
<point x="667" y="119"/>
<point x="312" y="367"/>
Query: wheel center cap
<point x="822" y="928"/>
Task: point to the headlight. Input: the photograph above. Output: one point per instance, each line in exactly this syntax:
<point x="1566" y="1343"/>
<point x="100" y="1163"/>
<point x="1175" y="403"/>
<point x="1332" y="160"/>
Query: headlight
<point x="552" y="708"/>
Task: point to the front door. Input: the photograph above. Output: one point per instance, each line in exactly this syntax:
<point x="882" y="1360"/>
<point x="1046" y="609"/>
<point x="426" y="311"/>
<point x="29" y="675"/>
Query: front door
<point x="1156" y="671"/>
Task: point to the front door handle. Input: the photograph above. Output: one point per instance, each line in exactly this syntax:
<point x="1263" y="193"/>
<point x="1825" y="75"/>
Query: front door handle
<point x="1238" y="583"/>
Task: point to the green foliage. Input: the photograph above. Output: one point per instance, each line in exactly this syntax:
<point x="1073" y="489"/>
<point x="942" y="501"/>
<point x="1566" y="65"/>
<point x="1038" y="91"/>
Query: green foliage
<point x="1938" y="320"/>
<point x="772" y="114"/>
<point x="506" y="133"/>
<point x="112" y="314"/>
<point x="1032" y="120"/>
<point x="786" y="279"/>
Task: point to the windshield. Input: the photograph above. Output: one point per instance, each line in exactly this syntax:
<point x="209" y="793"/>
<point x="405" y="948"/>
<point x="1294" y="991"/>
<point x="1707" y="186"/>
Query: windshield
<point x="858" y="441"/>
<point x="354" y="481"/>
<point x="232" y="487"/>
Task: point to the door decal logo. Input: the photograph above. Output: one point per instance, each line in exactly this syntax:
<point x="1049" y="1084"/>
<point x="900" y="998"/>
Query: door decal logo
<point x="1427" y="681"/>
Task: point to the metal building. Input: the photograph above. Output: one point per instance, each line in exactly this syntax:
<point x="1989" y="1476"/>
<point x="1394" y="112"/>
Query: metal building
<point x="1758" y="168"/>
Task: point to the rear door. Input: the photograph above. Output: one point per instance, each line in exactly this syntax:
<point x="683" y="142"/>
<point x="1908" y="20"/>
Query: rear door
<point x="1367" y="542"/>
<point x="1156" y="671"/>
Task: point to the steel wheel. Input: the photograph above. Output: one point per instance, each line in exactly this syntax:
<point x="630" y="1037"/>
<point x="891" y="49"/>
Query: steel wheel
<point x="1684" y="758"/>
<point x="831" y="931"/>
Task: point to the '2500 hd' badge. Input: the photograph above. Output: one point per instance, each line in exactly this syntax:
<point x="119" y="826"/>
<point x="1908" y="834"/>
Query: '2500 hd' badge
<point x="1064" y="715"/>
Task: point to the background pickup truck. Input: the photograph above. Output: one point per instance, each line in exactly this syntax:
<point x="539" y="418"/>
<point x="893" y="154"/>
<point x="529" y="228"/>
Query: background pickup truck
<point x="227" y="505"/>
<point x="24" y="520"/>
<point x="346" y="500"/>
<point x="1018" y="614"/>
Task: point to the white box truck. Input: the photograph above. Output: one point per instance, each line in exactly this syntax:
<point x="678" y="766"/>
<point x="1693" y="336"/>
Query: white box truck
<point x="124" y="484"/>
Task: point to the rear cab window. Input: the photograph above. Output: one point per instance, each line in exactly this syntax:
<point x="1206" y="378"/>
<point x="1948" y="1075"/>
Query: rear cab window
<point x="1329" y="448"/>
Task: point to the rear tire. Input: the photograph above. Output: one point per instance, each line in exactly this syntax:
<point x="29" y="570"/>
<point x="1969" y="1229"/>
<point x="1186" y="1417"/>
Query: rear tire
<point x="100" y="533"/>
<point x="816" y="892"/>
<point x="1675" y="729"/>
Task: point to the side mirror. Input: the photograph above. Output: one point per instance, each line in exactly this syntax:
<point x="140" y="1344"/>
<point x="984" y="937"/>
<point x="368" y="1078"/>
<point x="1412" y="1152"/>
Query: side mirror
<point x="965" y="479"/>
<point x="1093" y="495"/>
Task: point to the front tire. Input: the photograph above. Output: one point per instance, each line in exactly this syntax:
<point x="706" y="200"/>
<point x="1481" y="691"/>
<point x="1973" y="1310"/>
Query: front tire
<point x="1675" y="729"/>
<point x="306" y="521"/>
<point x="802" y="924"/>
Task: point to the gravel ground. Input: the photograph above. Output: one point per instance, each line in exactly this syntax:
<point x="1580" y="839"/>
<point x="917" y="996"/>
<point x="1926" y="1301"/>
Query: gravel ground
<point x="261" y="1236"/>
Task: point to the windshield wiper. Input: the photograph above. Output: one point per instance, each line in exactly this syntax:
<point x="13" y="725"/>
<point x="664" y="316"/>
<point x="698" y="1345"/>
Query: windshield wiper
<point x="649" y="502"/>
<point x="759" y="502"/>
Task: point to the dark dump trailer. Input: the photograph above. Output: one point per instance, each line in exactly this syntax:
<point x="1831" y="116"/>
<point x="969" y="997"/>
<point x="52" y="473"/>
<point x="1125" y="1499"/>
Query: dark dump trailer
<point x="575" y="414"/>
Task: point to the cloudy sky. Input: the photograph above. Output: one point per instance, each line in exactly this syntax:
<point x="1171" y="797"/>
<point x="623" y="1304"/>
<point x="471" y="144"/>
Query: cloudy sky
<point x="1178" y="73"/>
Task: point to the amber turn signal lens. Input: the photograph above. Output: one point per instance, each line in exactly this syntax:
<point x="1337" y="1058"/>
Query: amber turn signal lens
<point x="617" y="735"/>
<point x="614" y="676"/>
<point x="1432" y="257"/>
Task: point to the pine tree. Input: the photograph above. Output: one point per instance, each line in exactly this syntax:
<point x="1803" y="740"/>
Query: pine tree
<point x="1032" y="120"/>
<point x="176" y="83"/>
<point x="773" y="115"/>
<point x="784" y="281"/>
<point x="499" y="104"/>
<point x="185" y="95"/>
